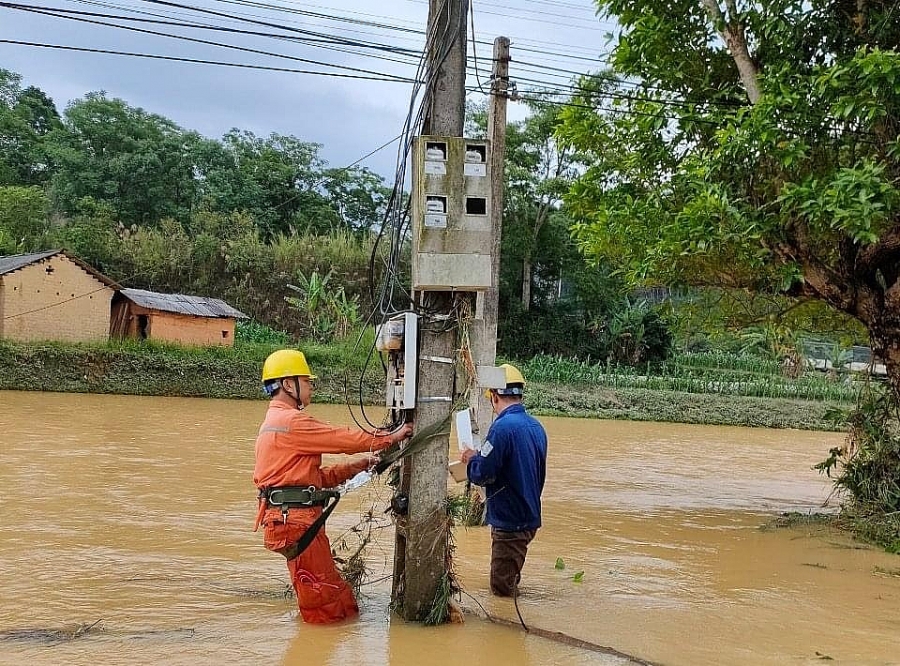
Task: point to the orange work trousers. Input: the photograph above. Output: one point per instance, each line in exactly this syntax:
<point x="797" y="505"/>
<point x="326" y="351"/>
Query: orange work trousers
<point x="322" y="595"/>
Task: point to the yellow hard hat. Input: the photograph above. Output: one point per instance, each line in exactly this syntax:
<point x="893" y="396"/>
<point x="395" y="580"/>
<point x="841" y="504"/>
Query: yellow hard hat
<point x="513" y="376"/>
<point x="286" y="363"/>
<point x="515" y="382"/>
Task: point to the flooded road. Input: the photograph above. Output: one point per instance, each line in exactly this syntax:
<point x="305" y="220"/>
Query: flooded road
<point x="137" y="512"/>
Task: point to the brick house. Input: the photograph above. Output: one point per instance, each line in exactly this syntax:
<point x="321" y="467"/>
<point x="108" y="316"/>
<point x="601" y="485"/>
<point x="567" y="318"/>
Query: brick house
<point x="188" y="320"/>
<point x="53" y="296"/>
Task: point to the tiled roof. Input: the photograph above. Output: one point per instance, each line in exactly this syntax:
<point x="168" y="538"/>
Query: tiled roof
<point x="197" y="306"/>
<point x="14" y="262"/>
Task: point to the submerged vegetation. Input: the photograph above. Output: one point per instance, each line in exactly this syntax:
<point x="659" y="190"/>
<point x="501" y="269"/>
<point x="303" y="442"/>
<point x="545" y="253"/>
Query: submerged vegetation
<point x="866" y="472"/>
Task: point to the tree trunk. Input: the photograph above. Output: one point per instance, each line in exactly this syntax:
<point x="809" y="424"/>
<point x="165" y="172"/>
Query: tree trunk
<point x="526" y="282"/>
<point x="885" y="341"/>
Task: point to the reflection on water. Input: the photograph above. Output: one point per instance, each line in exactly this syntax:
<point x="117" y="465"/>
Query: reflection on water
<point x="137" y="512"/>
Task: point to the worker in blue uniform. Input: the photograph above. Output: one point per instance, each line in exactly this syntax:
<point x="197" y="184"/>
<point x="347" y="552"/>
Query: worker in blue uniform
<point x="511" y="465"/>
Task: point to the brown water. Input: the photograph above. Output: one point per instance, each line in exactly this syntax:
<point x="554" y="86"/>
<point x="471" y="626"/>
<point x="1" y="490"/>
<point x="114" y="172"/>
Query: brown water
<point x="137" y="512"/>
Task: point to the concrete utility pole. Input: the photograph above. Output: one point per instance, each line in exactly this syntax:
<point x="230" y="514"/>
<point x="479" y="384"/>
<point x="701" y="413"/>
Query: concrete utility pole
<point x="420" y="557"/>
<point x="484" y="329"/>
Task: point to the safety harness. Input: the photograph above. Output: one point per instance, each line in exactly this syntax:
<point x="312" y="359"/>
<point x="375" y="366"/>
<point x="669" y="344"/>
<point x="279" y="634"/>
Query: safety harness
<point x="300" y="497"/>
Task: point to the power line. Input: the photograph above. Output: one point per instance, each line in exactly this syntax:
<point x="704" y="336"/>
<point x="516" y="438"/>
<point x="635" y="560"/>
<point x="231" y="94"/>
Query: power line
<point x="316" y="39"/>
<point x="198" y="41"/>
<point x="386" y="77"/>
<point x="379" y="24"/>
<point x="554" y="87"/>
<point x="509" y="15"/>
<point x="405" y="32"/>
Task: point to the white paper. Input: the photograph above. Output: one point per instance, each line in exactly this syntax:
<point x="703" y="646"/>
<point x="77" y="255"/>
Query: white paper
<point x="464" y="430"/>
<point x="436" y="221"/>
<point x="475" y="169"/>
<point x="435" y="168"/>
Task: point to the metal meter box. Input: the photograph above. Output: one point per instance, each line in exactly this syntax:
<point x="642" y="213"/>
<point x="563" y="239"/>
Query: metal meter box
<point x="451" y="214"/>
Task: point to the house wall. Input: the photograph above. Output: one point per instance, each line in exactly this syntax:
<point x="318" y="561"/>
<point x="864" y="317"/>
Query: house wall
<point x="187" y="330"/>
<point x="66" y="303"/>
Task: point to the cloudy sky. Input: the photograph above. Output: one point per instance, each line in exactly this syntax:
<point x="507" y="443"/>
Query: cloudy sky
<point x="350" y="117"/>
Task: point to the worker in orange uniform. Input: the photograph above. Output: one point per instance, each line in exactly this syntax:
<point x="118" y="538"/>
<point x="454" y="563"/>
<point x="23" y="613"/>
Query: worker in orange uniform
<point x="297" y="493"/>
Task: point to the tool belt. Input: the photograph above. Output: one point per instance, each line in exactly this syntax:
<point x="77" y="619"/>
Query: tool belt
<point x="290" y="497"/>
<point x="299" y="497"/>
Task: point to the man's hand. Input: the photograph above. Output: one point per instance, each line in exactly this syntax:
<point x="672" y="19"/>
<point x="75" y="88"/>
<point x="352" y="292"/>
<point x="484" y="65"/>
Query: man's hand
<point x="403" y="432"/>
<point x="467" y="454"/>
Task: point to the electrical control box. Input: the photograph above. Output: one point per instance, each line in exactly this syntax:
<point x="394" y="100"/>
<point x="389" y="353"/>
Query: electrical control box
<point x="451" y="214"/>
<point x="398" y="338"/>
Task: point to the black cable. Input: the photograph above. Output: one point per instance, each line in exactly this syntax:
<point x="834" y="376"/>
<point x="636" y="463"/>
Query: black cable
<point x="386" y="77"/>
<point x="197" y="40"/>
<point x="302" y="12"/>
<point x="315" y="39"/>
<point x="474" y="51"/>
<point x="345" y="19"/>
<point x="516" y="604"/>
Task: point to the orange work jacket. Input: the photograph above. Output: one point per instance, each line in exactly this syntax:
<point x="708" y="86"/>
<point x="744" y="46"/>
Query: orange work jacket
<point x="290" y="445"/>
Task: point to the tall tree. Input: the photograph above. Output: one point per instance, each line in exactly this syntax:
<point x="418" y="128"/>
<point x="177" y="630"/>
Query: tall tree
<point x="539" y="172"/>
<point x="358" y="196"/>
<point x="752" y="145"/>
<point x="279" y="176"/>
<point x="26" y="117"/>
<point x="137" y="162"/>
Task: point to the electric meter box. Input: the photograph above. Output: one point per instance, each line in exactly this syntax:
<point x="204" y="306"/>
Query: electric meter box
<point x="451" y="214"/>
<point x="398" y="338"/>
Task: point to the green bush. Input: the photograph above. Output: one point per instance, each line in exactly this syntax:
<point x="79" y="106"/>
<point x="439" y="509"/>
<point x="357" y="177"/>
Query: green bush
<point x="248" y="331"/>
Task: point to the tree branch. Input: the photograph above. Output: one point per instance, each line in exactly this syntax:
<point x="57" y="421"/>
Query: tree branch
<point x="886" y="249"/>
<point x="732" y="33"/>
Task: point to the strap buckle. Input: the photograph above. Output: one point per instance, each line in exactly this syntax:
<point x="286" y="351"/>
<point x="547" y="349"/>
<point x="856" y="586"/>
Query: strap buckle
<point x="276" y="496"/>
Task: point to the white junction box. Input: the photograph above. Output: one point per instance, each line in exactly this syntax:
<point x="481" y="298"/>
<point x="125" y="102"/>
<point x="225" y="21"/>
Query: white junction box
<point x="451" y="214"/>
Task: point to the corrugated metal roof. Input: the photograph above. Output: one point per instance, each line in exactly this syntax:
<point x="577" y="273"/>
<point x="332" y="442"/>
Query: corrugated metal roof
<point x="197" y="306"/>
<point x="14" y="262"/>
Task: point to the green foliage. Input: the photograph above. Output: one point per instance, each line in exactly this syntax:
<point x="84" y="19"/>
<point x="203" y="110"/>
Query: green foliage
<point x="466" y="509"/>
<point x="701" y="373"/>
<point x="142" y="168"/>
<point x="248" y="331"/>
<point x="868" y="467"/>
<point x="707" y="318"/>
<point x="225" y="256"/>
<point x="23" y="225"/>
<point x="324" y="309"/>
<point x="634" y="335"/>
<point x="108" y="151"/>
<point x="693" y="180"/>
<point x="631" y="334"/>
<point x="26" y="117"/>
<point x="560" y="564"/>
<point x="536" y="248"/>
<point x="867" y="470"/>
<point x="131" y="367"/>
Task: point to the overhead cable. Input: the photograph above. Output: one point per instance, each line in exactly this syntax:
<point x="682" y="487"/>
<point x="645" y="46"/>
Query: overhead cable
<point x="386" y="77"/>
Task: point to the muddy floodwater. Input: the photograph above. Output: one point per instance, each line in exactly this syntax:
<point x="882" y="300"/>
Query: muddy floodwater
<point x="136" y="513"/>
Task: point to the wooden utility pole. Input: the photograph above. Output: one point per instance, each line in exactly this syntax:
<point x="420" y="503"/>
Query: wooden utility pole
<point x="420" y="557"/>
<point x="484" y="329"/>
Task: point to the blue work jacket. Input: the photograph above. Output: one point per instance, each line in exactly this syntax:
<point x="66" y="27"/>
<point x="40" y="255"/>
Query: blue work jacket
<point x="512" y="467"/>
